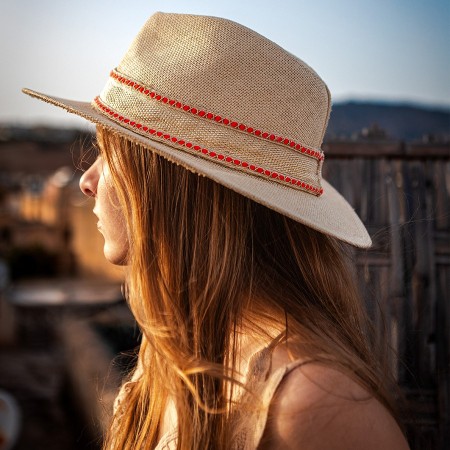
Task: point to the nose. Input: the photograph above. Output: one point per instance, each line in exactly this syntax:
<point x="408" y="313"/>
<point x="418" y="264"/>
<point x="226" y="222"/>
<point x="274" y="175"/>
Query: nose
<point x="89" y="181"/>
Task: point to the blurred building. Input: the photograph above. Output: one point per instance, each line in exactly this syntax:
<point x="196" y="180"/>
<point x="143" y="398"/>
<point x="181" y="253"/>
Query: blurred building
<point x="46" y="225"/>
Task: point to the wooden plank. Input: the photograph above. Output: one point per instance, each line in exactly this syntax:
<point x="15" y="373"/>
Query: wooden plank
<point x="443" y="353"/>
<point x="401" y="311"/>
<point x="367" y="149"/>
<point x="423" y="275"/>
<point x="404" y="195"/>
<point x="427" y="151"/>
<point x="439" y="173"/>
<point x="385" y="149"/>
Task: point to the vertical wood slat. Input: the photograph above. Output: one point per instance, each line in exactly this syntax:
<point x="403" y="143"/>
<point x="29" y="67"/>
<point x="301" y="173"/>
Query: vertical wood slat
<point x="440" y="175"/>
<point x="400" y="308"/>
<point x="423" y="275"/>
<point x="443" y="353"/>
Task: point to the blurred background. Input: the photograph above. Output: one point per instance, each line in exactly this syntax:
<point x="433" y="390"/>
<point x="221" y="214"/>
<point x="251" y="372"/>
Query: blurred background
<point x="66" y="335"/>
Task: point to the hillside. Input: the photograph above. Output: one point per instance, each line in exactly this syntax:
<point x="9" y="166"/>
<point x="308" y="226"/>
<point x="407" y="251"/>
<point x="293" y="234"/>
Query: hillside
<point x="396" y="121"/>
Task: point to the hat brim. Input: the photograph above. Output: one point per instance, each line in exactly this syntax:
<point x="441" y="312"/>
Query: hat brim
<point x="329" y="213"/>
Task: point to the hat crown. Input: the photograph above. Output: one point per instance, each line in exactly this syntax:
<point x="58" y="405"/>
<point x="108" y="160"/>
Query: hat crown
<point x="220" y="66"/>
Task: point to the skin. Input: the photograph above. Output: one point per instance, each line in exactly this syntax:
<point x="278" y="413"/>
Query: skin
<point x="317" y="407"/>
<point x="97" y="183"/>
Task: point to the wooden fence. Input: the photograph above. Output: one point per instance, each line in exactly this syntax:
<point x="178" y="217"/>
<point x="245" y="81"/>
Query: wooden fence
<point x="402" y="194"/>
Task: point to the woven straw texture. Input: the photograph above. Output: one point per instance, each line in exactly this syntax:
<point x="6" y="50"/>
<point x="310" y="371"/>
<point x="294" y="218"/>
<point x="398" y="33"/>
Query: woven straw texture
<point x="228" y="69"/>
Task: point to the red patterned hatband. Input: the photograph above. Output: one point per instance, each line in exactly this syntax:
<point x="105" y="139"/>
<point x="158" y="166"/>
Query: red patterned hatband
<point x="191" y="146"/>
<point x="216" y="117"/>
<point x="221" y="157"/>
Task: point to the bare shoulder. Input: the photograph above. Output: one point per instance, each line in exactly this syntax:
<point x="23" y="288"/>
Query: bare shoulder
<point x="317" y="407"/>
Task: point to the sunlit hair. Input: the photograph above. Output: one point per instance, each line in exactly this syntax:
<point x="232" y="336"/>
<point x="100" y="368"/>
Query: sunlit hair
<point x="205" y="266"/>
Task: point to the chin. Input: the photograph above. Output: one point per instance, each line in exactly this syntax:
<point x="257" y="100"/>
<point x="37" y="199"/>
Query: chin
<point x="116" y="257"/>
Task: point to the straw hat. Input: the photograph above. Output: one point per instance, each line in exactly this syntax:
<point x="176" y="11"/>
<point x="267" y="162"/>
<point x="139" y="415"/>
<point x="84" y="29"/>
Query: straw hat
<point x="227" y="103"/>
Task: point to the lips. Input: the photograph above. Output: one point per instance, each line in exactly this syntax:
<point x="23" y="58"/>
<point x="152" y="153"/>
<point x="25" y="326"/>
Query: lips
<point x="99" y="223"/>
<point x="96" y="215"/>
<point x="99" y="227"/>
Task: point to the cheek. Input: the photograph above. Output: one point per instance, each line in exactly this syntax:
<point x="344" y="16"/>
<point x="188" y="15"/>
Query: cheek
<point x="112" y="225"/>
<point x="116" y="241"/>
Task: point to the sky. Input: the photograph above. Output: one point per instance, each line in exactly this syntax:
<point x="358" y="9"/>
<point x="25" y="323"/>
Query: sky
<point x="388" y="50"/>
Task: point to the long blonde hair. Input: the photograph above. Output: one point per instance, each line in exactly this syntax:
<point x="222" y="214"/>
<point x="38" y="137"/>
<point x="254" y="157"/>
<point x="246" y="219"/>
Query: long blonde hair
<point x="205" y="262"/>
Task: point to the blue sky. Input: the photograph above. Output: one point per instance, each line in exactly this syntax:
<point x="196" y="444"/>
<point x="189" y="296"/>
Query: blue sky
<point x="395" y="50"/>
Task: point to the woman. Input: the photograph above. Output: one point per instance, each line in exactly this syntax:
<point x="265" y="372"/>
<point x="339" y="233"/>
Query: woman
<point x="253" y="334"/>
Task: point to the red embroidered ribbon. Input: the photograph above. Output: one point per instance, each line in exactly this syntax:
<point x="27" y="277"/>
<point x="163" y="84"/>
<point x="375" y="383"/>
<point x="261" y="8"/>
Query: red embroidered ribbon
<point x="217" y="118"/>
<point x="145" y="130"/>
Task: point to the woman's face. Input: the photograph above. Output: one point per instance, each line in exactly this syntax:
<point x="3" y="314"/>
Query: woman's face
<point x="97" y="183"/>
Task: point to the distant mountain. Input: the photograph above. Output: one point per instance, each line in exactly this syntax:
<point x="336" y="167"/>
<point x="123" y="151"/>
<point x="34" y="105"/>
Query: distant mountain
<point x="349" y="120"/>
<point x="388" y="120"/>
